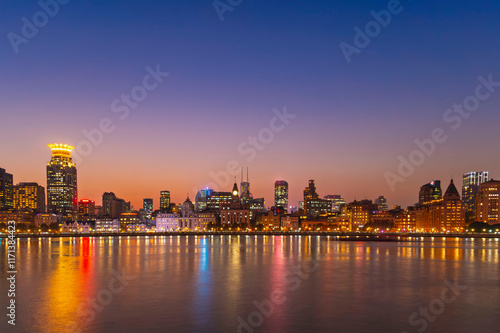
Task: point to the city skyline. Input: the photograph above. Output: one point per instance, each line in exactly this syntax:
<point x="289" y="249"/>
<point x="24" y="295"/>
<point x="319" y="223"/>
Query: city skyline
<point x="56" y="151"/>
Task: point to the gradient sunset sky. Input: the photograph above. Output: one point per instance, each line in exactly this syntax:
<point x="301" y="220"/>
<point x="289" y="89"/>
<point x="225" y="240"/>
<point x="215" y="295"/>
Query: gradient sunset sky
<point x="352" y="121"/>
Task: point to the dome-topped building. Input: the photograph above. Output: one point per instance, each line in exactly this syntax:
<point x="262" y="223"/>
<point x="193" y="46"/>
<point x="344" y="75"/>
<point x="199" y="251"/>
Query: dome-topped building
<point x="187" y="208"/>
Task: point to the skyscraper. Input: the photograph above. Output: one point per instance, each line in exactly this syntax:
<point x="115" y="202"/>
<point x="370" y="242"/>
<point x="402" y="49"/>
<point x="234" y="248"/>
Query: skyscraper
<point x="487" y="207"/>
<point x="147" y="205"/>
<point x="430" y="192"/>
<point x="164" y="201"/>
<point x="6" y="191"/>
<point x="471" y="182"/>
<point x="62" y="193"/>
<point x="245" y="186"/>
<point x="107" y="198"/>
<point x="281" y="194"/>
<point x="113" y="207"/>
<point x="29" y="196"/>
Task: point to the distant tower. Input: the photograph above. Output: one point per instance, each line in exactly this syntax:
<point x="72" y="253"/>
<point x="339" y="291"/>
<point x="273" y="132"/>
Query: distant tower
<point x="244" y="186"/>
<point x="147" y="205"/>
<point x="245" y="189"/>
<point x="62" y="193"/>
<point x="281" y="194"/>
<point x="471" y="183"/>
<point x="235" y="193"/>
<point x="6" y="191"/>
<point x="164" y="201"/>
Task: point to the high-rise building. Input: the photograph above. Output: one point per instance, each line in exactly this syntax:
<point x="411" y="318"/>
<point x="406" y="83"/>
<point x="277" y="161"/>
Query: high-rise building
<point x="6" y="191"/>
<point x="487" y="202"/>
<point x="164" y="201"/>
<point x="113" y="207"/>
<point x="471" y="183"/>
<point x="281" y="194"/>
<point x="430" y="192"/>
<point x="147" y="205"/>
<point x="245" y="189"/>
<point x="62" y="192"/>
<point x="29" y="196"/>
<point x="381" y="203"/>
<point x="107" y="198"/>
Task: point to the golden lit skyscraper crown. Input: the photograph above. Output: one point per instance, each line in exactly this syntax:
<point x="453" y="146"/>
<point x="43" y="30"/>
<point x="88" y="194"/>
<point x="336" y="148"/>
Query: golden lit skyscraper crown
<point x="60" y="149"/>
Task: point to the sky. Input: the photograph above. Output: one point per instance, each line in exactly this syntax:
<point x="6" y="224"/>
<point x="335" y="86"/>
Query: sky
<point x="271" y="71"/>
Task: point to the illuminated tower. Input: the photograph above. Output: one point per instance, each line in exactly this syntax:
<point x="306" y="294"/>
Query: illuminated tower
<point x="6" y="191"/>
<point x="147" y="205"/>
<point x="471" y="183"/>
<point x="281" y="194"/>
<point x="165" y="201"/>
<point x="62" y="194"/>
<point x="487" y="202"/>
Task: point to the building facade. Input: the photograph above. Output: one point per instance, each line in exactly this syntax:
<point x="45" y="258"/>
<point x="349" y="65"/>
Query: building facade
<point x="75" y="227"/>
<point x="442" y="215"/>
<point x="471" y="182"/>
<point x="6" y="191"/>
<point x="105" y="225"/>
<point x="86" y="208"/>
<point x="487" y="202"/>
<point x="29" y="196"/>
<point x="381" y="203"/>
<point x="337" y="202"/>
<point x="186" y="220"/>
<point x="45" y="218"/>
<point x="234" y="212"/>
<point x="313" y="205"/>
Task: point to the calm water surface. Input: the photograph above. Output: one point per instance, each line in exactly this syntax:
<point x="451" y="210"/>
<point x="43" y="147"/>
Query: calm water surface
<point x="254" y="284"/>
